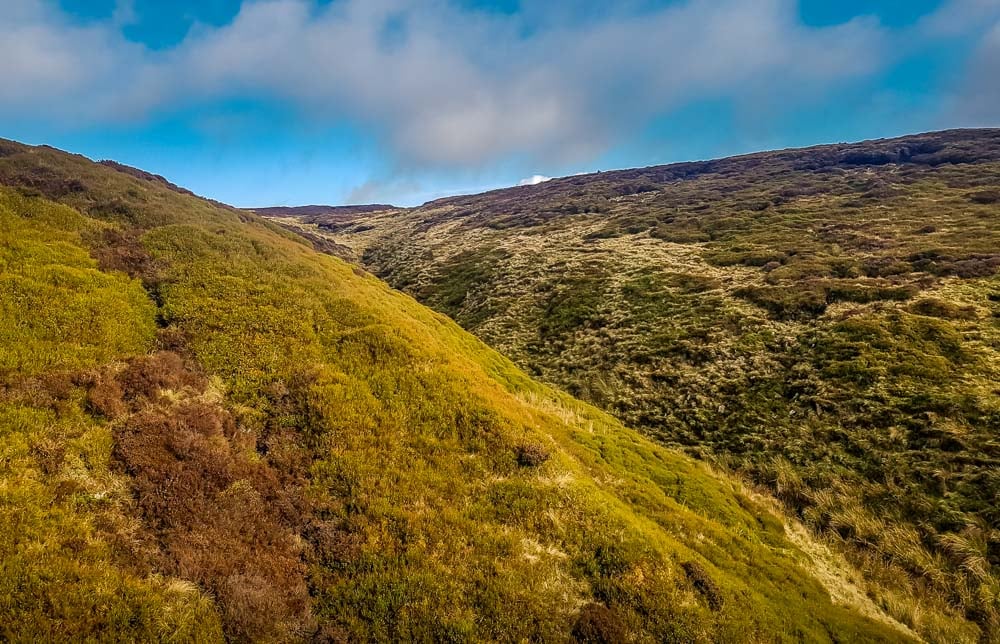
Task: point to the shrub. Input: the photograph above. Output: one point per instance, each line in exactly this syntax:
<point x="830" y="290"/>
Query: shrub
<point x="143" y="378"/>
<point x="49" y="455"/>
<point x="10" y="148"/>
<point x="598" y="624"/>
<point x="105" y="397"/>
<point x="787" y="303"/>
<point x="985" y="197"/>
<point x="972" y="267"/>
<point x="938" y="308"/>
<point x="122" y="250"/>
<point x="703" y="583"/>
<point x="747" y="257"/>
<point x="886" y="267"/>
<point x="41" y="181"/>
<point x="208" y="505"/>
<point x="863" y="293"/>
<point x="531" y="455"/>
<point x="679" y="234"/>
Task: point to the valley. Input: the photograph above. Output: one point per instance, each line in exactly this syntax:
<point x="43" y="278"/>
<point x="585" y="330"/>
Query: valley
<point x="824" y="322"/>
<point x="209" y="431"/>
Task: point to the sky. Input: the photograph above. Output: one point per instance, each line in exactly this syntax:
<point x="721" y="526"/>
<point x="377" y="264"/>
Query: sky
<point x="291" y="102"/>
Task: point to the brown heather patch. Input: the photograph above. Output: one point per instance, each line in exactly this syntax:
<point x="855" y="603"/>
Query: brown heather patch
<point x="41" y="181"/>
<point x="531" y="454"/>
<point x="122" y="250"/>
<point x="703" y="583"/>
<point x="598" y="624"/>
<point x="212" y="512"/>
<point x="104" y="396"/>
<point x="46" y="391"/>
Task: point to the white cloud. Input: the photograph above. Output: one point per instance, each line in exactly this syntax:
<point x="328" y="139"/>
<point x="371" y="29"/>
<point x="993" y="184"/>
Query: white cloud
<point x="972" y="99"/>
<point x="378" y="191"/>
<point x="455" y="87"/>
<point x="54" y="68"/>
<point x="958" y="17"/>
<point x="977" y="100"/>
<point x="534" y="180"/>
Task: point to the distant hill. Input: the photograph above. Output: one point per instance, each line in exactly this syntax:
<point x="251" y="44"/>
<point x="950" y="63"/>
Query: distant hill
<point x="209" y="431"/>
<point x="825" y="321"/>
<point x="316" y="222"/>
<point x="331" y="212"/>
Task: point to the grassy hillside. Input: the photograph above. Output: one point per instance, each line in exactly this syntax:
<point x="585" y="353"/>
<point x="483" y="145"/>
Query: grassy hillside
<point x="211" y="431"/>
<point x="824" y="321"/>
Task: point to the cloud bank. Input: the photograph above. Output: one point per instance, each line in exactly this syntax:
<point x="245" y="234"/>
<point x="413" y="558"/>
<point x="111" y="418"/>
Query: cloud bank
<point x="978" y="102"/>
<point x="444" y="86"/>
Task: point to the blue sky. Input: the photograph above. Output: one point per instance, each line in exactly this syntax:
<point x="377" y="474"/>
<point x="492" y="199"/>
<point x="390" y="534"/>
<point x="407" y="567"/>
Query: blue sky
<point x="305" y="101"/>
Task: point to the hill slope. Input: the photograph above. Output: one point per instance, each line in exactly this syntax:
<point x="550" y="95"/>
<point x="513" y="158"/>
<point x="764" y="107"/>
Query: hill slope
<point x="208" y="430"/>
<point x="826" y="321"/>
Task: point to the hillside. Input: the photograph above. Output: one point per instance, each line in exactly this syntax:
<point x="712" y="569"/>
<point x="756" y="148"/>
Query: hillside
<point x="210" y="431"/>
<point x="825" y="322"/>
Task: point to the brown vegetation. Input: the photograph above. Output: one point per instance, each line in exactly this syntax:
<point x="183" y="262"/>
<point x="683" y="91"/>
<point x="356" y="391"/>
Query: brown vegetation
<point x="703" y="583"/>
<point x="218" y="516"/>
<point x="531" y="455"/>
<point x="597" y="624"/>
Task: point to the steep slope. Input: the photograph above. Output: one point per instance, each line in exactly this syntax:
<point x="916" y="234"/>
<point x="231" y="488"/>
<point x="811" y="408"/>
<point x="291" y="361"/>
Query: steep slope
<point x="209" y="430"/>
<point x="825" y="321"/>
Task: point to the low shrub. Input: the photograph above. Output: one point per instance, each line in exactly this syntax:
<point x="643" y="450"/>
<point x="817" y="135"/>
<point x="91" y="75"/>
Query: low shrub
<point x="985" y="197"/>
<point x="703" y="583"/>
<point x="680" y="235"/>
<point x="105" y="397"/>
<point x="209" y="508"/>
<point x="598" y="624"/>
<point x="531" y="455"/>
<point x="787" y="303"/>
<point x="122" y="250"/>
<point x="144" y="378"/>
<point x="938" y="308"/>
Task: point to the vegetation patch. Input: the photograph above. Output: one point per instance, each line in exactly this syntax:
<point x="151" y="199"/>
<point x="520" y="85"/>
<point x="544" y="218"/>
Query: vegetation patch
<point x="216" y="518"/>
<point x="465" y="276"/>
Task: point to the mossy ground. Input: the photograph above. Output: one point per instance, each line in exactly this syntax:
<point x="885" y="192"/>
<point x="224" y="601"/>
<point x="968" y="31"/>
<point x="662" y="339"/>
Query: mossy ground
<point x="209" y="430"/>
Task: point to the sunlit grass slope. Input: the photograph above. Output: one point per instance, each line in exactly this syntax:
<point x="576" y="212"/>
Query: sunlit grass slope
<point x="208" y="430"/>
<point x="60" y="315"/>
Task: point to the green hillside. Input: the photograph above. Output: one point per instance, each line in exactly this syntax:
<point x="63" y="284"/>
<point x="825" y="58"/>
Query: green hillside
<point x="825" y="322"/>
<point x="210" y="431"/>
